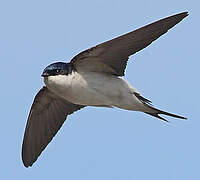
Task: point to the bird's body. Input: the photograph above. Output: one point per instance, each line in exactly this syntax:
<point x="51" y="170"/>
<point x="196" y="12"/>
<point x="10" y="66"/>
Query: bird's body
<point x="95" y="89"/>
<point x="92" y="78"/>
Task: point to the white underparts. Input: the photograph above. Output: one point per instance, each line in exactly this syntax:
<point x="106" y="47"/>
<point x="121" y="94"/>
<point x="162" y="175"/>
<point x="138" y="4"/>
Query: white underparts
<point x="95" y="89"/>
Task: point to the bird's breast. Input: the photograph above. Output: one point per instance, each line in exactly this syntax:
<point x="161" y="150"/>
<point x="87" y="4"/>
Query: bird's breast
<point x="93" y="89"/>
<point x="62" y="84"/>
<point x="74" y="87"/>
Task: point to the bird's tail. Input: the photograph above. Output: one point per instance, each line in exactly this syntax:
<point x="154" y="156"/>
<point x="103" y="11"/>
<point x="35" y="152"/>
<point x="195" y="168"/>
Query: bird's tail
<point x="155" y="112"/>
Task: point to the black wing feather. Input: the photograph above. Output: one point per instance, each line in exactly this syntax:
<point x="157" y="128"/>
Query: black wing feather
<point x="47" y="114"/>
<point x="112" y="56"/>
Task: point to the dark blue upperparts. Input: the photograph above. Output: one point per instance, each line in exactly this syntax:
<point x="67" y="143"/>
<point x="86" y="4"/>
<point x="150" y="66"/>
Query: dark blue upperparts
<point x="58" y="68"/>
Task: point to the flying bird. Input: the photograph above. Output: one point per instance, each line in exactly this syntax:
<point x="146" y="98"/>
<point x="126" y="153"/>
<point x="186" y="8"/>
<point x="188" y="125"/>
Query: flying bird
<point x="91" y="78"/>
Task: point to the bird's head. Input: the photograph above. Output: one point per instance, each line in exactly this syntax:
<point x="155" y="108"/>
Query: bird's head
<point x="58" y="68"/>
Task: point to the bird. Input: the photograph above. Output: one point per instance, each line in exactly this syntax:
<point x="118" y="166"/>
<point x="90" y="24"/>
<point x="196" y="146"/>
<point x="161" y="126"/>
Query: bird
<point x="91" y="78"/>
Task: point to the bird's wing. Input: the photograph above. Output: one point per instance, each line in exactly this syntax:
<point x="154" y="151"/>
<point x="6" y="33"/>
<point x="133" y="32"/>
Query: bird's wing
<point x="112" y="56"/>
<point x="47" y="114"/>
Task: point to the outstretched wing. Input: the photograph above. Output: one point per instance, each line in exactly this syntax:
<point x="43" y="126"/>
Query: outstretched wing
<point x="112" y="56"/>
<point x="47" y="114"/>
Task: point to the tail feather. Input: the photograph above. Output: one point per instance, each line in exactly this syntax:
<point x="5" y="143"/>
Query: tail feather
<point x="157" y="116"/>
<point x="149" y="109"/>
<point x="155" y="112"/>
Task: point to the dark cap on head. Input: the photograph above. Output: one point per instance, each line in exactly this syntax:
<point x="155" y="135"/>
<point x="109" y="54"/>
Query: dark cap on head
<point x="58" y="68"/>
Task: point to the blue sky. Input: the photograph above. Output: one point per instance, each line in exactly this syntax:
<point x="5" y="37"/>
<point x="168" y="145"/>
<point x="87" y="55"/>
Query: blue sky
<point x="100" y="143"/>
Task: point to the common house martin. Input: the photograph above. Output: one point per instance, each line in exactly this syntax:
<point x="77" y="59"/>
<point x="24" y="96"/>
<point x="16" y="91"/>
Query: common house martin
<point x="91" y="78"/>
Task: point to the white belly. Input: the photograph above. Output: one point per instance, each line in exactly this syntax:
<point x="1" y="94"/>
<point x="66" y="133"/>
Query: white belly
<point x="94" y="89"/>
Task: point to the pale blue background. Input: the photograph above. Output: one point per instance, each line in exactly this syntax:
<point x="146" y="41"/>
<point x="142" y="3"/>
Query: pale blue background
<point x="100" y="143"/>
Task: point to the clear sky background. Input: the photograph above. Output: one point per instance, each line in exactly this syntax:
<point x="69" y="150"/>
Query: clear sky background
<point x="100" y="143"/>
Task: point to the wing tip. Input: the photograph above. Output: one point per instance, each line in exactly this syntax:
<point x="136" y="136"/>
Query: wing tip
<point x="25" y="158"/>
<point x="183" y="15"/>
<point x="26" y="163"/>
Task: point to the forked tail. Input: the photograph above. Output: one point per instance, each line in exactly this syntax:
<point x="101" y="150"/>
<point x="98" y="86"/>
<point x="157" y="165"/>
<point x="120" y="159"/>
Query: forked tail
<point x="155" y="112"/>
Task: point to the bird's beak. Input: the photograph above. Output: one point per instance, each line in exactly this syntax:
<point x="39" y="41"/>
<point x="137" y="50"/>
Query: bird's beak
<point x="45" y="74"/>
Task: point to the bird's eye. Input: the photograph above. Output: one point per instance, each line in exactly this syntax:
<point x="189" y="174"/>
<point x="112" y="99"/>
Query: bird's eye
<point x="57" y="71"/>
